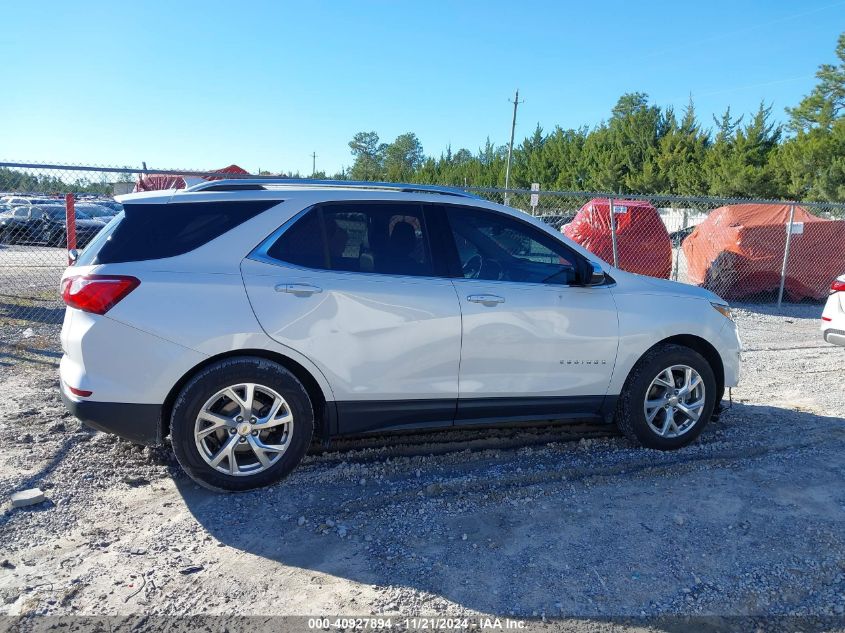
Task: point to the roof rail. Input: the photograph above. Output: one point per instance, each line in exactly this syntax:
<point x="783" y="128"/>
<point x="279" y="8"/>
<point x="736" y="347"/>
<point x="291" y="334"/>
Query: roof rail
<point x="241" y="184"/>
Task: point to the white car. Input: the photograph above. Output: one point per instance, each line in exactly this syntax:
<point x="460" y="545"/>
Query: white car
<point x="240" y="317"/>
<point x="833" y="316"/>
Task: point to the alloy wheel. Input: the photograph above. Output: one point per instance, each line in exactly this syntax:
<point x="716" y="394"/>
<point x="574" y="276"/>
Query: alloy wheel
<point x="243" y="429"/>
<point x="674" y="401"/>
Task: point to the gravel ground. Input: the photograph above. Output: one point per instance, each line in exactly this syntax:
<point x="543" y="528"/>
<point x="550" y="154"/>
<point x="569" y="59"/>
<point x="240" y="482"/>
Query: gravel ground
<point x="566" y="524"/>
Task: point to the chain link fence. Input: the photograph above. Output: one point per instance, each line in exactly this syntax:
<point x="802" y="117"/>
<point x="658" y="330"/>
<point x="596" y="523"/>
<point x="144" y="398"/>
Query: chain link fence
<point x="744" y="250"/>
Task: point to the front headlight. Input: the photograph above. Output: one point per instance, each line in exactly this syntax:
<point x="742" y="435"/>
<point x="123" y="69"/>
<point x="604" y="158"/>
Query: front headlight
<point x="724" y="308"/>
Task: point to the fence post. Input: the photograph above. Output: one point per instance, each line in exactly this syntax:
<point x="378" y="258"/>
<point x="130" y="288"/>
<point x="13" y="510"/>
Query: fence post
<point x="786" y="253"/>
<point x="680" y="241"/>
<point x="70" y="222"/>
<point x="613" y="232"/>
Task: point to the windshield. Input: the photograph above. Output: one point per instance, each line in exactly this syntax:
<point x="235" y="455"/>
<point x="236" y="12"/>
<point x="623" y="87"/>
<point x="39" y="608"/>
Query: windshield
<point x="58" y="214"/>
<point x="94" y="211"/>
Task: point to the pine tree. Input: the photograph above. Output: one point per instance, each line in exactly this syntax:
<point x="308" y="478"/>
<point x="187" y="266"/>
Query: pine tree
<point x="403" y="157"/>
<point x="738" y="165"/>
<point x="826" y="103"/>
<point x="681" y="154"/>
<point x="635" y="130"/>
<point x="368" y="155"/>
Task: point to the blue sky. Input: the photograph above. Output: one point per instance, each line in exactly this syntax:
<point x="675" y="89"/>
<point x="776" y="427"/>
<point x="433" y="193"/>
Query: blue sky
<point x="263" y="84"/>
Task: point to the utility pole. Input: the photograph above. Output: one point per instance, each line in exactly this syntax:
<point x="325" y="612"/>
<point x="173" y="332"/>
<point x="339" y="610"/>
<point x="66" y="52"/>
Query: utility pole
<point x="516" y="103"/>
<point x="313" y="164"/>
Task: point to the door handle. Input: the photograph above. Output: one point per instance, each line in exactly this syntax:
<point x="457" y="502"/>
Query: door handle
<point x="300" y="290"/>
<point x="488" y="300"/>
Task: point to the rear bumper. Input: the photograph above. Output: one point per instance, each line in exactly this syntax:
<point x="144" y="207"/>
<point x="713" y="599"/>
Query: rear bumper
<point x="833" y="319"/>
<point x="138" y="423"/>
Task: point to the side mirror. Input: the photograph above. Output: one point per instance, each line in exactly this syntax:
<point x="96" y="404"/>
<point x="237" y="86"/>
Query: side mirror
<point x="73" y="255"/>
<point x="598" y="277"/>
<point x="596" y="274"/>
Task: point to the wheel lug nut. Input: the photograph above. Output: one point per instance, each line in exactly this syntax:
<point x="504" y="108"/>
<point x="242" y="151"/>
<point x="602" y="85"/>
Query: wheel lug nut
<point x="255" y="433"/>
<point x="242" y="440"/>
<point x="231" y="431"/>
<point x="239" y="419"/>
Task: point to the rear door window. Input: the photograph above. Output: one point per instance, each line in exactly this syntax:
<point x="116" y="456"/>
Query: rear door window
<point x="367" y="237"/>
<point x="302" y="243"/>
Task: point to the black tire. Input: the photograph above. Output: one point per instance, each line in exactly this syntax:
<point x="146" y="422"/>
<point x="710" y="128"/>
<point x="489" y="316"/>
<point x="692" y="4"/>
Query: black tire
<point x="630" y="414"/>
<point x="209" y="381"/>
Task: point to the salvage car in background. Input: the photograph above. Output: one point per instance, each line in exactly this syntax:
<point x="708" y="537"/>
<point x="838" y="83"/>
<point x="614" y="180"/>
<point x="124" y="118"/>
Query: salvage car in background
<point x="738" y="252"/>
<point x="18" y="201"/>
<point x="45" y="224"/>
<point x="96" y="211"/>
<point x="642" y="242"/>
<point x="115" y="206"/>
<point x="833" y="316"/>
<point x="24" y="223"/>
<point x="54" y="225"/>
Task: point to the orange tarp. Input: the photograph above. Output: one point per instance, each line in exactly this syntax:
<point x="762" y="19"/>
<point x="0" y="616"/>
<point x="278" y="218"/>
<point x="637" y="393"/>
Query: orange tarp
<point x="737" y="252"/>
<point x="641" y="237"/>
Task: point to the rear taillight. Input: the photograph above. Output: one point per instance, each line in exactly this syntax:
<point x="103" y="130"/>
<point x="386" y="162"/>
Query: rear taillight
<point x="96" y="293"/>
<point x="837" y="286"/>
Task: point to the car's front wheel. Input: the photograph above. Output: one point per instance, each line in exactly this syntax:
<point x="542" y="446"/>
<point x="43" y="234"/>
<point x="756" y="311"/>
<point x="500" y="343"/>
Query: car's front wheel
<point x="668" y="398"/>
<point x="241" y="423"/>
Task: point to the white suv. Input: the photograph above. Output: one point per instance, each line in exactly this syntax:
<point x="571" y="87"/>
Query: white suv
<point x="241" y="317"/>
<point x="833" y="316"/>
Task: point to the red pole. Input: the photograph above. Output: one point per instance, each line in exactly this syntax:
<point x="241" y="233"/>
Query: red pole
<point x="70" y="218"/>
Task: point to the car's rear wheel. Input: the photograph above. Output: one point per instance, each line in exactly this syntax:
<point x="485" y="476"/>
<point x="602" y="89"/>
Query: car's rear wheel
<point x="668" y="398"/>
<point x="241" y="423"/>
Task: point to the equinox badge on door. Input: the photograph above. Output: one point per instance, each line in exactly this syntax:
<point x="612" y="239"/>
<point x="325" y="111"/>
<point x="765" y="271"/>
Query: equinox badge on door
<point x="567" y="361"/>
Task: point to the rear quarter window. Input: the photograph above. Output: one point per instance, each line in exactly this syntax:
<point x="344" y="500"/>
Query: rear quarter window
<point x="155" y="231"/>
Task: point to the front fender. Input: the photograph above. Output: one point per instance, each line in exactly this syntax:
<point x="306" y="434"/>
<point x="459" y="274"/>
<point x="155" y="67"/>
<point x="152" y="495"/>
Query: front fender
<point x="647" y="319"/>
